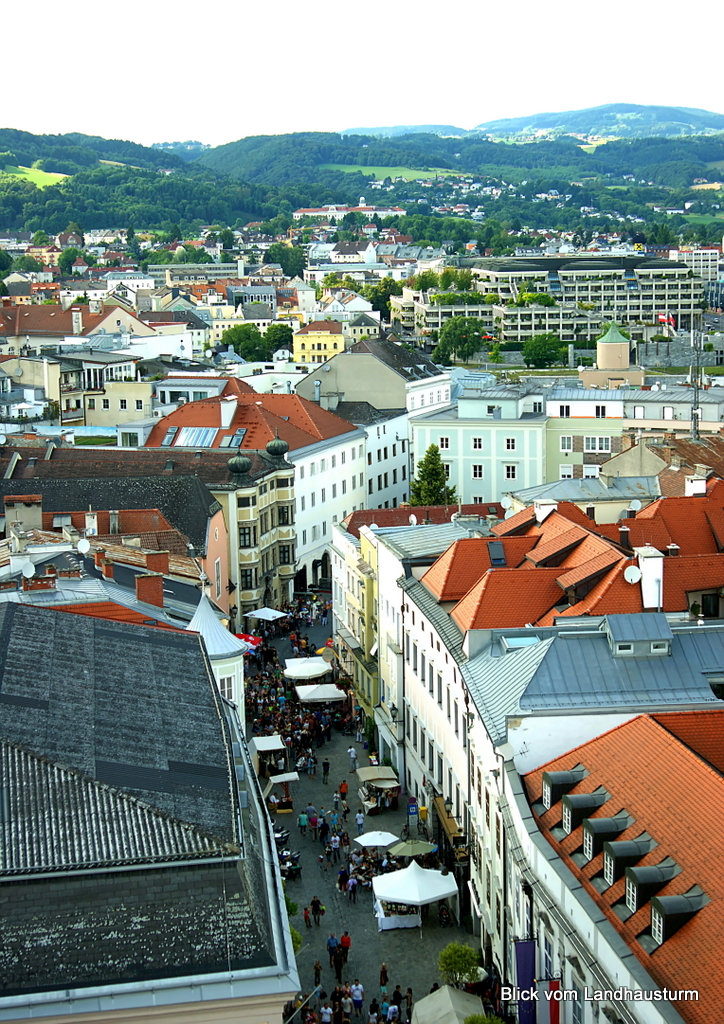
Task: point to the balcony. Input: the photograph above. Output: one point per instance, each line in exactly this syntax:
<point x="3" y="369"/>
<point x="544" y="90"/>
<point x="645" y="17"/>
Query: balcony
<point x="71" y="415"/>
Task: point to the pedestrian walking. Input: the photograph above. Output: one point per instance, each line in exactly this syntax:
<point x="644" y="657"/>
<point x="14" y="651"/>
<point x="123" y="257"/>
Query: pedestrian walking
<point x="359" y="735"/>
<point x="307" y="918"/>
<point x="345" y="810"/>
<point x="360" y="820"/>
<point x="408" y="1004"/>
<point x="335" y="842"/>
<point x="335" y="800"/>
<point x="303" y="821"/>
<point x="323" y="831"/>
<point x="325" y="770"/>
<point x="393" y="1013"/>
<point x="328" y="852"/>
<point x="397" y="996"/>
<point x="352" y="752"/>
<point x="325" y="1013"/>
<point x="317" y="973"/>
<point x="338" y="964"/>
<point x="347" y="1004"/>
<point x="342" y="879"/>
<point x="358" y="997"/>
<point x="384" y="978"/>
<point x="346" y="944"/>
<point x="352" y="889"/>
<point x="315" y="906"/>
<point x="313" y="820"/>
<point x="373" y="1013"/>
<point x="344" y="789"/>
<point x="321" y="860"/>
<point x="332" y="945"/>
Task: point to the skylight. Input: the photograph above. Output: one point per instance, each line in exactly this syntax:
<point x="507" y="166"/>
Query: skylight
<point x="168" y="439"/>
<point x="196" y="437"/>
<point x="233" y="440"/>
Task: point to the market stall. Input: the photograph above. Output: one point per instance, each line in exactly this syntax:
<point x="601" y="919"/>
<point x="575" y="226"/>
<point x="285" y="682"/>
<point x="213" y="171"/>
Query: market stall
<point x="321" y="693"/>
<point x="265" y="752"/>
<point x="379" y="790"/>
<point x="282" y="803"/>
<point x="412" y="887"/>
<point x="395" y="915"/>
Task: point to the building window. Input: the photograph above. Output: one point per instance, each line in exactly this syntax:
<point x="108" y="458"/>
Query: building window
<point x="567" y="443"/>
<point x="217" y="576"/>
<point x="510" y="444"/>
<point x="600" y="412"/>
<point x="430" y="679"/>
<point x="91" y="403"/>
<point x="370" y="486"/>
<point x="547" y="957"/>
<point x="511" y="472"/>
<point x="566" y="819"/>
<point x="631" y="895"/>
<point x="324" y="494"/>
<point x="639" y="412"/>
<point x="414" y="657"/>
<point x="226" y="687"/>
<point x="597" y="444"/>
<point x="565" y="472"/>
<point x="456" y="716"/>
<point x="247" y="536"/>
<point x="107" y="404"/>
<point x="590" y="472"/>
<point x="446" y="467"/>
<point x="122" y="403"/>
<point x="608" y="868"/>
<point x="537" y="407"/>
<point x="547" y="795"/>
<point x="657" y="926"/>
<point x="285" y="554"/>
<point x="283" y="515"/>
<point x="587" y="845"/>
<point x="668" y="412"/>
<point x="477" y="444"/>
<point x="139" y="404"/>
<point x="439" y="689"/>
<point x="444" y="442"/>
<point x="422" y="669"/>
<point x="246" y="579"/>
<point x="564" y="411"/>
<point x="477" y="472"/>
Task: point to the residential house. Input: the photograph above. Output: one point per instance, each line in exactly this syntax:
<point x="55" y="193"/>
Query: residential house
<point x="318" y="341"/>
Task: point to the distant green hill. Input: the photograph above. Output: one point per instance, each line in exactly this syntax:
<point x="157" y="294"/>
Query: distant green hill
<point x="74" y="152"/>
<point x="407" y="129"/>
<point x="624" y="120"/>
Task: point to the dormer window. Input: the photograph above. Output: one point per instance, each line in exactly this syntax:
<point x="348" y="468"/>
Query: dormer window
<point x="587" y="844"/>
<point x="567" y="828"/>
<point x="547" y="795"/>
<point x="659" y="646"/>
<point x="608" y="869"/>
<point x="631" y="895"/>
<point x="657" y="926"/>
<point x="624" y="648"/>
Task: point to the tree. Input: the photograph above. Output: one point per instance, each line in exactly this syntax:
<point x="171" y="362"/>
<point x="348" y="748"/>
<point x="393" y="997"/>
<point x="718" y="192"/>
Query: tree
<point x="26" y="265"/>
<point x="379" y="295"/>
<point x="481" y="1018"/>
<point x="247" y="342"/>
<point x="431" y="487"/>
<point x="495" y="356"/>
<point x="461" y="336"/>
<point x="279" y="336"/>
<point x="227" y="238"/>
<point x="459" y="964"/>
<point x="6" y="261"/>
<point x="291" y="258"/>
<point x="8" y="159"/>
<point x="67" y="258"/>
<point x="40" y="238"/>
<point x="542" y="350"/>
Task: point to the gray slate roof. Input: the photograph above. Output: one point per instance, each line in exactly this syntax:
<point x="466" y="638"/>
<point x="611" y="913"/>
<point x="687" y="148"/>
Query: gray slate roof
<point x="130" y="706"/>
<point x="59" y="818"/>
<point x="409" y="365"/>
<point x="622" y="488"/>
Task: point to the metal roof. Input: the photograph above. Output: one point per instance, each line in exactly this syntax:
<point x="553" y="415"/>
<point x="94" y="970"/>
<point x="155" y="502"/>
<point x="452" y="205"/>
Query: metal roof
<point x="446" y="628"/>
<point x="622" y="488"/>
<point x="639" y="626"/>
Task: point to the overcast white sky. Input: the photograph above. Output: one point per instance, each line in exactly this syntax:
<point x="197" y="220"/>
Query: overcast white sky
<point x="153" y="71"/>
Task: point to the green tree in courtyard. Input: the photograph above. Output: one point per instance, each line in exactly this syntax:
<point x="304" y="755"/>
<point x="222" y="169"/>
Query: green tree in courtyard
<point x="542" y="350"/>
<point x="459" y="964"/>
<point x="430" y="486"/>
<point x="248" y="342"/>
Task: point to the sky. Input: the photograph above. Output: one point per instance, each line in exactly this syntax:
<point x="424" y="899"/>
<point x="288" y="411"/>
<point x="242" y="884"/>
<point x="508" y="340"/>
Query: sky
<point x="157" y="72"/>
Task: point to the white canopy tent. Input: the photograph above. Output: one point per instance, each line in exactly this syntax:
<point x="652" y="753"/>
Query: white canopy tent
<point x="305" y="668"/>
<point x="264" y="745"/>
<point x="319" y="692"/>
<point x="446" y="1006"/>
<point x="269" y="614"/>
<point x="415" y="887"/>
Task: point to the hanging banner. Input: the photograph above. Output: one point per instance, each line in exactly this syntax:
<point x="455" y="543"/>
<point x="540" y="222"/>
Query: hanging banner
<point x="525" y="974"/>
<point x="549" y="1007"/>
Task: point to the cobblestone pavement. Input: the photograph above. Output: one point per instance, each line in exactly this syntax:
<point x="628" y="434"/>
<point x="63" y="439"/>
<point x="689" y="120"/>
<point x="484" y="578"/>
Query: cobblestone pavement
<point x="411" y="955"/>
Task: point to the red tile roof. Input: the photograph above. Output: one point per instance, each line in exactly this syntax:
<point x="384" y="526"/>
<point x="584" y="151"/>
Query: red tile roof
<point x="296" y="420"/>
<point x="324" y="326"/>
<point x="611" y="595"/>
<point x="641" y="532"/>
<point x="465" y="561"/>
<point x="565" y="509"/>
<point x="555" y="543"/>
<point x="499" y="599"/>
<point x="685" y="519"/>
<point x="652" y="767"/>
<point x="112" y="611"/>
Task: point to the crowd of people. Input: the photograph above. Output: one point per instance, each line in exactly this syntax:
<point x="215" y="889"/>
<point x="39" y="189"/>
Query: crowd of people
<point x="349" y="1001"/>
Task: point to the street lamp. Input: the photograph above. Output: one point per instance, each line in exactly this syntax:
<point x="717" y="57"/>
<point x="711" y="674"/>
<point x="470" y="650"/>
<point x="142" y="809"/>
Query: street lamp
<point x="448" y="806"/>
<point x="393" y="712"/>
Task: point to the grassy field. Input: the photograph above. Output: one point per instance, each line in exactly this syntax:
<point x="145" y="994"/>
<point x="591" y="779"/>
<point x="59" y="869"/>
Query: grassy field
<point x="703" y="218"/>
<point x="40" y="178"/>
<point x="409" y="173"/>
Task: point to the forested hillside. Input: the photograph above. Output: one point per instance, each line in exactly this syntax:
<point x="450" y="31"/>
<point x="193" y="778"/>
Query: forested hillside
<point x="68" y="154"/>
<point x="283" y="159"/>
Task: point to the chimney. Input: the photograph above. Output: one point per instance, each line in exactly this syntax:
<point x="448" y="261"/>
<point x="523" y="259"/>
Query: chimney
<point x="94" y="306"/>
<point x="99" y="556"/>
<point x="624" y="537"/>
<point x="228" y="408"/>
<point x="317" y="390"/>
<point x="107" y="569"/>
<point x="651" y="564"/>
<point x="76" y="317"/>
<point x="157" y="561"/>
<point x="694" y="485"/>
<point x="672" y="549"/>
<point x="27" y="509"/>
<point x="113" y="520"/>
<point x="149" y="588"/>
<point x="543" y="509"/>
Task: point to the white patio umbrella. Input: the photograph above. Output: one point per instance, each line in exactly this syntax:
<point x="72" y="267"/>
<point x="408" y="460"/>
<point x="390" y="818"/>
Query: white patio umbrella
<point x="265" y="613"/>
<point x="375" y="839"/>
<point x="306" y="668"/>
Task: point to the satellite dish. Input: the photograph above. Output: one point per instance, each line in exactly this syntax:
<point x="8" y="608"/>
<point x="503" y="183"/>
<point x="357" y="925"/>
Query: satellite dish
<point x="635" y="505"/>
<point x="632" y="574"/>
<point x="28" y="570"/>
<point x="509" y="513"/>
<point x="84" y="546"/>
<point x="18" y="371"/>
<point x="374" y="526"/>
<point x="413" y="520"/>
<point x="506" y="502"/>
<point x="328" y="654"/>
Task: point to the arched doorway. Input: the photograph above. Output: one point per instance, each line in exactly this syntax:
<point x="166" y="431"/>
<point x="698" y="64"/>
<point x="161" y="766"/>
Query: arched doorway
<point x="300" y="580"/>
